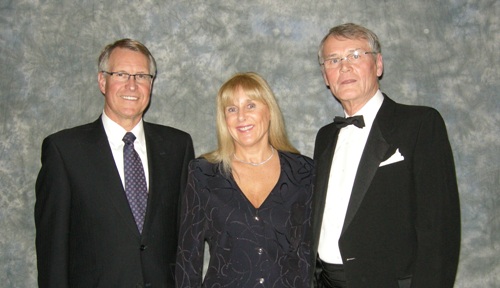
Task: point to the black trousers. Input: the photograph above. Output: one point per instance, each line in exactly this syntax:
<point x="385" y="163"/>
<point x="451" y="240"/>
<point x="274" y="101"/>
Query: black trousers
<point x="331" y="275"/>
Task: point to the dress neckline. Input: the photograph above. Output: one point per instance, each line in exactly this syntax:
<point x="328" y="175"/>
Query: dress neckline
<point x="268" y="195"/>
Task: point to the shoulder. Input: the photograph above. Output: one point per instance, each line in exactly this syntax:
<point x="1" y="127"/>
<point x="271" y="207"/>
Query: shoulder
<point x="203" y="173"/>
<point x="417" y="116"/>
<point x="165" y="130"/>
<point x="415" y="110"/>
<point x="203" y="166"/>
<point x="299" y="169"/>
<point x="295" y="157"/>
<point x="74" y="134"/>
<point x="297" y="160"/>
<point x="409" y="111"/>
<point x="327" y="129"/>
<point x="394" y="115"/>
<point x="168" y="136"/>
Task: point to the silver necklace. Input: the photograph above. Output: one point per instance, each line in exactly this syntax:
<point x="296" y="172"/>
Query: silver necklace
<point x="256" y="164"/>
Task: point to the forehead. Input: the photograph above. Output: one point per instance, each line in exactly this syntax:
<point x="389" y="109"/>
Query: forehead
<point x="338" y="45"/>
<point x="126" y="58"/>
<point x="241" y="95"/>
<point x="238" y="95"/>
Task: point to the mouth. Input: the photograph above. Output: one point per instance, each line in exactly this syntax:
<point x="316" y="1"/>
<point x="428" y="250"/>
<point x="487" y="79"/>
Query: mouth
<point x="130" y="98"/>
<point x="348" y="81"/>
<point x="244" y="128"/>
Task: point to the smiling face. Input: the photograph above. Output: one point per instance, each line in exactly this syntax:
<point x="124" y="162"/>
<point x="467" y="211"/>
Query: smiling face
<point x="352" y="84"/>
<point x="125" y="102"/>
<point x="247" y="121"/>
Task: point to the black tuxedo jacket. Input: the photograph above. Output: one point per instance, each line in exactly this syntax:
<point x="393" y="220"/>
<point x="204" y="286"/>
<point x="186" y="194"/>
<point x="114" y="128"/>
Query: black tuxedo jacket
<point x="402" y="225"/>
<point x="86" y="235"/>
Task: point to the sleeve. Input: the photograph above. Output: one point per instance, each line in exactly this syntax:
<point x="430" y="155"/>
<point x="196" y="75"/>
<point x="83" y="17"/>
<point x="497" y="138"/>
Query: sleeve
<point x="300" y="175"/>
<point x="437" y="206"/>
<point x="190" y="251"/>
<point x="52" y="213"/>
<point x="305" y="249"/>
<point x="188" y="156"/>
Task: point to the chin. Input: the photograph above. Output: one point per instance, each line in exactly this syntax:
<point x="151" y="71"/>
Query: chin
<point x="347" y="95"/>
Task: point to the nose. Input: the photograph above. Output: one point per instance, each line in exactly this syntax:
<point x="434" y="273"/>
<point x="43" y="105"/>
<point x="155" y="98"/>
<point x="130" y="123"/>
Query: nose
<point x="345" y="65"/>
<point x="241" y="115"/>
<point x="132" y="83"/>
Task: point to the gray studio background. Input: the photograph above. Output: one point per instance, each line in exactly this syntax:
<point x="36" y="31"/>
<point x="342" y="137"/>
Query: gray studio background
<point x="443" y="54"/>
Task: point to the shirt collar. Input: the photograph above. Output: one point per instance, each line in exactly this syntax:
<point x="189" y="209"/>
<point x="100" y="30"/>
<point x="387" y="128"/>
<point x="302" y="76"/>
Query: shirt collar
<point x="370" y="109"/>
<point x="115" y="132"/>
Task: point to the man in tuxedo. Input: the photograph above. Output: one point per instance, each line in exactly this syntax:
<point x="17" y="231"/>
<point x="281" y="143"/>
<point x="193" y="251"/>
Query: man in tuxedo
<point x="386" y="208"/>
<point x="107" y="193"/>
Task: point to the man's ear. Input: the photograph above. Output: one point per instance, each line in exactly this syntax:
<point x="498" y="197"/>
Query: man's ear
<point x="324" y="77"/>
<point x="380" y="65"/>
<point x="101" y="80"/>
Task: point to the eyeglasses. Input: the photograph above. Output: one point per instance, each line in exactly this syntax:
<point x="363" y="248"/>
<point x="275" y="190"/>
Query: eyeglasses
<point x="354" y="57"/>
<point x="124" y="77"/>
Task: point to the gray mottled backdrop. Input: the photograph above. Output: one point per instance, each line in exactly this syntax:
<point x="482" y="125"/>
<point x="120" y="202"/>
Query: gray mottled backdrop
<point x="443" y="54"/>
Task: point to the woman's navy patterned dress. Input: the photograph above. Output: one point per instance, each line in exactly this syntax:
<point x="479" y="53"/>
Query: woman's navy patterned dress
<point x="267" y="246"/>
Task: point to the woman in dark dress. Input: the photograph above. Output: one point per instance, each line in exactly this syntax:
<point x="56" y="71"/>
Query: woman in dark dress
<point x="250" y="199"/>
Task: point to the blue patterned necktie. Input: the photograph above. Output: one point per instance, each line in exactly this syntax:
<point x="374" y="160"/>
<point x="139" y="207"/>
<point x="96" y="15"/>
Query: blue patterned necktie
<point x="135" y="181"/>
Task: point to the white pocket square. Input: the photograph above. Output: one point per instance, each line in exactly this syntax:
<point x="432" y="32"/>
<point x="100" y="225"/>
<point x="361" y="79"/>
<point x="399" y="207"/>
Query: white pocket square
<point x="396" y="157"/>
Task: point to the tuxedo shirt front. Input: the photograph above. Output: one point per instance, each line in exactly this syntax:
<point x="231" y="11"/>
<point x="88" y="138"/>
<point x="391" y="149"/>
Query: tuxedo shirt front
<point x="350" y="144"/>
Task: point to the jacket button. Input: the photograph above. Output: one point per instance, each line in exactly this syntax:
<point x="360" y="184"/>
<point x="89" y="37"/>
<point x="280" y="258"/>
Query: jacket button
<point x="143" y="247"/>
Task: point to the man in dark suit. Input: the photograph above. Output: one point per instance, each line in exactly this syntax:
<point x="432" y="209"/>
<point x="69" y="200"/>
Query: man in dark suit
<point x="106" y="207"/>
<point x="386" y="208"/>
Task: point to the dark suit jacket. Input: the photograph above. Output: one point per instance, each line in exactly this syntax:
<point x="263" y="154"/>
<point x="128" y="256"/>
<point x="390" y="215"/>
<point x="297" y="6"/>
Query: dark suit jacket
<point x="402" y="225"/>
<point x="85" y="232"/>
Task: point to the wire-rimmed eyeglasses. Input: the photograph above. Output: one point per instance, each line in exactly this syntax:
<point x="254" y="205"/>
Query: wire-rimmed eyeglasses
<point x="124" y="77"/>
<point x="334" y="62"/>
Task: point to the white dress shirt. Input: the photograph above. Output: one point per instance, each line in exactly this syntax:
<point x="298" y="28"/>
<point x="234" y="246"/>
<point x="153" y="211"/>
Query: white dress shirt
<point x="115" y="134"/>
<point x="350" y="145"/>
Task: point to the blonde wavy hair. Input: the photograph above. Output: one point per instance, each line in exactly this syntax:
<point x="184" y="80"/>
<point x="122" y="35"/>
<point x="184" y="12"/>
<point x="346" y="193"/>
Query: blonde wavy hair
<point x="256" y="88"/>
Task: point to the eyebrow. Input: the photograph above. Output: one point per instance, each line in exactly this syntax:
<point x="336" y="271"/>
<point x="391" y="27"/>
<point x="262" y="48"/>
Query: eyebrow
<point x="125" y="71"/>
<point x="336" y="54"/>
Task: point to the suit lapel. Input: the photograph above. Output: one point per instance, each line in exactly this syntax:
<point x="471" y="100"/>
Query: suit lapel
<point x="157" y="173"/>
<point x="376" y="150"/>
<point x="323" y="155"/>
<point x="110" y="184"/>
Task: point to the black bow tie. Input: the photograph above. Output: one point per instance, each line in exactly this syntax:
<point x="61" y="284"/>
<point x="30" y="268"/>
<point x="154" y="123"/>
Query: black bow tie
<point x="355" y="120"/>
